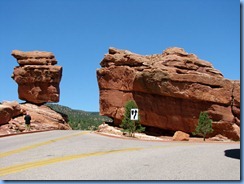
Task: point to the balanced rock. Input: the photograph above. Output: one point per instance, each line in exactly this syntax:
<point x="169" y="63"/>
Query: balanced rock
<point x="37" y="77"/>
<point x="170" y="89"/>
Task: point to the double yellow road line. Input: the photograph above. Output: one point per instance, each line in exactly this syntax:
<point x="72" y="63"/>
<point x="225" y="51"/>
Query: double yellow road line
<point x="19" y="150"/>
<point x="22" y="167"/>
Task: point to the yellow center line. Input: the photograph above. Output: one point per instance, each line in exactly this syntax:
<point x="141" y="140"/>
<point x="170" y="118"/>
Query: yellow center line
<point x="8" y="153"/>
<point x="22" y="167"/>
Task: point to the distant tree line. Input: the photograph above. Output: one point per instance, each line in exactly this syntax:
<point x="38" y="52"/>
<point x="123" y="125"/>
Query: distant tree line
<point x="79" y="119"/>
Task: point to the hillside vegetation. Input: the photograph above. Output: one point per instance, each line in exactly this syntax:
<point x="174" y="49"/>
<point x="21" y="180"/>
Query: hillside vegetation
<point x="79" y="119"/>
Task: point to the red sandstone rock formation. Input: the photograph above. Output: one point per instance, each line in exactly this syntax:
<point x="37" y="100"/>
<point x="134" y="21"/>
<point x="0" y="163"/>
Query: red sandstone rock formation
<point x="170" y="89"/>
<point x="43" y="118"/>
<point x="9" y="110"/>
<point x="37" y="77"/>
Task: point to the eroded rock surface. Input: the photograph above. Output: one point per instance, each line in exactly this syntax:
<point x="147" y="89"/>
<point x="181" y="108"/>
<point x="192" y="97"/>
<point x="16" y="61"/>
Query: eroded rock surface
<point x="37" y="76"/>
<point x="42" y="118"/>
<point x="9" y="110"/>
<point x="170" y="89"/>
<point x="34" y="58"/>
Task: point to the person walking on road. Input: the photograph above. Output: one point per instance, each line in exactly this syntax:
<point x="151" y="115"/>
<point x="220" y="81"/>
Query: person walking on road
<point x="27" y="121"/>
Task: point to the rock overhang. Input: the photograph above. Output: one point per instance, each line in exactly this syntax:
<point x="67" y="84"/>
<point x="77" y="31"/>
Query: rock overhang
<point x="160" y="82"/>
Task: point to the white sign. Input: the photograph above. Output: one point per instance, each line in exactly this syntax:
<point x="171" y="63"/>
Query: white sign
<point x="134" y="114"/>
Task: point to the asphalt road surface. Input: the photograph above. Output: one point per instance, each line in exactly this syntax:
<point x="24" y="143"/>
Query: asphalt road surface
<point x="80" y="155"/>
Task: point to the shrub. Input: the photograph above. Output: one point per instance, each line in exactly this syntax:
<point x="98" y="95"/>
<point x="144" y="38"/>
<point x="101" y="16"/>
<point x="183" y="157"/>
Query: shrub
<point x="92" y="127"/>
<point x="204" y="125"/>
<point x="129" y="125"/>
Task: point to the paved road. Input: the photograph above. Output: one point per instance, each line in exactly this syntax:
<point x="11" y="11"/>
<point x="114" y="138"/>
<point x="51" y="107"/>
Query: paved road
<point x="79" y="155"/>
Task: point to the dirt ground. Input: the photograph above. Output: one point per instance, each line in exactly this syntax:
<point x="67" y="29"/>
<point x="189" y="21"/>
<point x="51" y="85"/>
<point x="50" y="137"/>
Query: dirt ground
<point x="115" y="132"/>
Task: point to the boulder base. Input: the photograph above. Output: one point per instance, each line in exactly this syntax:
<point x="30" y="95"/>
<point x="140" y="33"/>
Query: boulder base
<point x="42" y="118"/>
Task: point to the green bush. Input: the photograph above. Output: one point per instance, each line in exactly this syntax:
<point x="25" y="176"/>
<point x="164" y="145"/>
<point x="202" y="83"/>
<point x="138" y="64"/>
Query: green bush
<point x="129" y="125"/>
<point x="204" y="125"/>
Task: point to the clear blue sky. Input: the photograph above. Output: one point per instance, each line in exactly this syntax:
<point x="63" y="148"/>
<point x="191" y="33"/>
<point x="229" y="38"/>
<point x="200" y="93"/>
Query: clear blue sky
<point x="79" y="33"/>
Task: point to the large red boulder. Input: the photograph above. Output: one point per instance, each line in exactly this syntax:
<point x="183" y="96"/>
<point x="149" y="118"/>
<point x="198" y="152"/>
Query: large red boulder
<point x="8" y="110"/>
<point x="170" y="89"/>
<point x="37" y="77"/>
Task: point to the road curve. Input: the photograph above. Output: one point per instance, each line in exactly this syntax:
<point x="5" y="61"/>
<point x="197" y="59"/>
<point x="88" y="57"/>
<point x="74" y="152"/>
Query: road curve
<point x="82" y="155"/>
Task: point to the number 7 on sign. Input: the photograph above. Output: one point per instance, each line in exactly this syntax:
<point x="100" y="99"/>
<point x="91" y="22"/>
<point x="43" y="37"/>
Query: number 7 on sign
<point x="134" y="114"/>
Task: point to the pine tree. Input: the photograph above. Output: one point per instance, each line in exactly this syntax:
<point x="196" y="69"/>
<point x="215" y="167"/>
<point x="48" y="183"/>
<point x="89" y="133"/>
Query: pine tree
<point x="204" y="125"/>
<point x="128" y="125"/>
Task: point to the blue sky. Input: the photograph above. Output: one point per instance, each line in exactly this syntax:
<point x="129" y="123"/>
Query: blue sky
<point x="79" y="33"/>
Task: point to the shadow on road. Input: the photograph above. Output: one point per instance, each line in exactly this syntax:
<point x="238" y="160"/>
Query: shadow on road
<point x="233" y="153"/>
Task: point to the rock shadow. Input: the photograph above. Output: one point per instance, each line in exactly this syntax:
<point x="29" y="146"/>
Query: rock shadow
<point x="233" y="153"/>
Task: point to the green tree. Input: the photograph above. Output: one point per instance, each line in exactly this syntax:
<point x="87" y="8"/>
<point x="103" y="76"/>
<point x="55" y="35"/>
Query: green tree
<point x="78" y="119"/>
<point x="204" y="125"/>
<point x="128" y="125"/>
